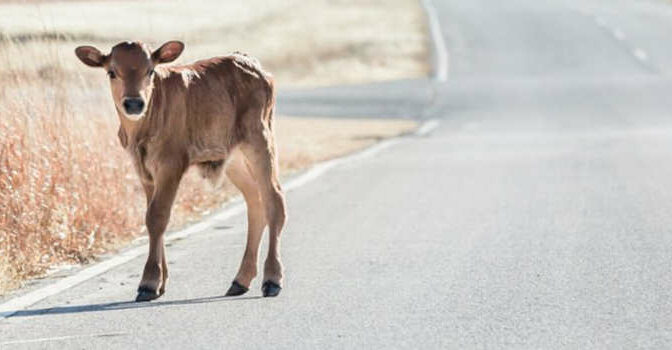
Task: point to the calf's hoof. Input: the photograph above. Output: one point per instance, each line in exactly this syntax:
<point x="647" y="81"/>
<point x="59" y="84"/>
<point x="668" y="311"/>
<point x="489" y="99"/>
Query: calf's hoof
<point x="236" y="289"/>
<point x="270" y="289"/>
<point x="146" y="294"/>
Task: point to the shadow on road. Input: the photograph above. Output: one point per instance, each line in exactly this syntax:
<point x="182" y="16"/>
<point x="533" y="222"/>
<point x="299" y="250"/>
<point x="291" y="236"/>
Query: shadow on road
<point x="125" y="305"/>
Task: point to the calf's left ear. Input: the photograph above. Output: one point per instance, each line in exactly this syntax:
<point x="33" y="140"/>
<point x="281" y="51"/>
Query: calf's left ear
<point x="90" y="56"/>
<point x="168" y="52"/>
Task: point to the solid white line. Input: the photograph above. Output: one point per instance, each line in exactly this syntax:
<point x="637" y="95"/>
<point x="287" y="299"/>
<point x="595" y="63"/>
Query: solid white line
<point x="11" y="306"/>
<point x="322" y="167"/>
<point x="640" y="54"/>
<point x="427" y="127"/>
<point x="236" y="207"/>
<point x="441" y="53"/>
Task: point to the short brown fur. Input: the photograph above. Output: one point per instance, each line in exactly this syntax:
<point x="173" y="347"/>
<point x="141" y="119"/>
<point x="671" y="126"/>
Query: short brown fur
<point x="216" y="114"/>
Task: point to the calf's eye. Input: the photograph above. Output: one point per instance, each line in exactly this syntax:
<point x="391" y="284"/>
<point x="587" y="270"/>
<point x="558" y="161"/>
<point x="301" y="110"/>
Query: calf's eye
<point x="111" y="74"/>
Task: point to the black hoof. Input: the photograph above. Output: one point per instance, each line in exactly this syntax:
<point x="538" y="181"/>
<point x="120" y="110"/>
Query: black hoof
<point x="270" y="289"/>
<point x="146" y="294"/>
<point x="236" y="289"/>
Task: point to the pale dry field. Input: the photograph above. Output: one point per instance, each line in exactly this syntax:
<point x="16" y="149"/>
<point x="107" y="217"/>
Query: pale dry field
<point x="315" y="42"/>
<point x="67" y="190"/>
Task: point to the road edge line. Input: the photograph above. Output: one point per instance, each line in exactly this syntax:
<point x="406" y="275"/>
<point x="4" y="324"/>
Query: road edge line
<point x="235" y="207"/>
<point x="427" y="127"/>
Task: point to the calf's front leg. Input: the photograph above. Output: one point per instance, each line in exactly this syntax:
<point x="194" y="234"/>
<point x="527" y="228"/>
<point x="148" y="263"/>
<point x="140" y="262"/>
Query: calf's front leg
<point x="154" y="275"/>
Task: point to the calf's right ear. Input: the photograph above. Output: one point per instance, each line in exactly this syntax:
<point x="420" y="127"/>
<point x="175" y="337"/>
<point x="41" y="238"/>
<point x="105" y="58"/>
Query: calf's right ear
<point x="90" y="56"/>
<point x="168" y="52"/>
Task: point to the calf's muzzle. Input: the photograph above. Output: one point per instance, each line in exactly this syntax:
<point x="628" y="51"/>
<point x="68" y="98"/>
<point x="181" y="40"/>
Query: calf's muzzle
<point x="133" y="105"/>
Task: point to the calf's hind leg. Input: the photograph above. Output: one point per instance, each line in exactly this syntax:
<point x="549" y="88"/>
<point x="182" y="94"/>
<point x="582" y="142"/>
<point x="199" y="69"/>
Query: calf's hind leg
<point x="238" y="172"/>
<point x="260" y="152"/>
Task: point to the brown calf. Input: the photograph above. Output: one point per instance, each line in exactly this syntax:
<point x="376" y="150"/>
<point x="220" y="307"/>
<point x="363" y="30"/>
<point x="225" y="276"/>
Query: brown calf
<point x="216" y="114"/>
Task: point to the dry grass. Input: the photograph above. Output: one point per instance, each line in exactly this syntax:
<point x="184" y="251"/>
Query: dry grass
<point x="304" y="42"/>
<point x="67" y="190"/>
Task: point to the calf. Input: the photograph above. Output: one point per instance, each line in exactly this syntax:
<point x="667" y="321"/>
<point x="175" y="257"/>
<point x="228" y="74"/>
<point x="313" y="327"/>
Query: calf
<point x="216" y="114"/>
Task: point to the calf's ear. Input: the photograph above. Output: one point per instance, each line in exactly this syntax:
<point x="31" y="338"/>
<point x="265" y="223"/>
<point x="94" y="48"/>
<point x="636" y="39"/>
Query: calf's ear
<point x="90" y="56"/>
<point x="168" y="52"/>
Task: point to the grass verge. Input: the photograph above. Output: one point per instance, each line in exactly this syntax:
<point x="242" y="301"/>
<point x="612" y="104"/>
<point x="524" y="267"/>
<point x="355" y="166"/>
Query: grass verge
<point x="63" y="200"/>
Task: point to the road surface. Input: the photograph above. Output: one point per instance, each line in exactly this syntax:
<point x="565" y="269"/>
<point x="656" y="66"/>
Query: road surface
<point x="537" y="215"/>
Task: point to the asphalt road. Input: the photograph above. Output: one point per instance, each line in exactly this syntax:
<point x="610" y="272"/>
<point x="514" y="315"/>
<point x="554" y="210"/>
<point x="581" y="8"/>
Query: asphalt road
<point x="537" y="215"/>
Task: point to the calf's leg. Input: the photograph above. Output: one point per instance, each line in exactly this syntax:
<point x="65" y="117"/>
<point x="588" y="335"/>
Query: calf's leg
<point x="155" y="272"/>
<point x="149" y="193"/>
<point x="240" y="175"/>
<point x="260" y="151"/>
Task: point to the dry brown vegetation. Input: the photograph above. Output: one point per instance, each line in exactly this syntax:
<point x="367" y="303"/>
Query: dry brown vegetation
<point x="67" y="190"/>
<point x="67" y="196"/>
<point x="302" y="42"/>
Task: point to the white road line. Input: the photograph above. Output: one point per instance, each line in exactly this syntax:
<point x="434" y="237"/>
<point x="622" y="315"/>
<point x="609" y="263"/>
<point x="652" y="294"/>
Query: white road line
<point x="427" y="127"/>
<point x="441" y="53"/>
<point x="323" y="167"/>
<point x="11" y="306"/>
<point x="236" y="207"/>
<point x="640" y="54"/>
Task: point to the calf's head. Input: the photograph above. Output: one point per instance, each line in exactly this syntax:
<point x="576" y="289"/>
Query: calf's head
<point x="130" y="68"/>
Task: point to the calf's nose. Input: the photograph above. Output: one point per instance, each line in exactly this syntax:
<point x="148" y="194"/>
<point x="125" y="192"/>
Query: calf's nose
<point x="133" y="105"/>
